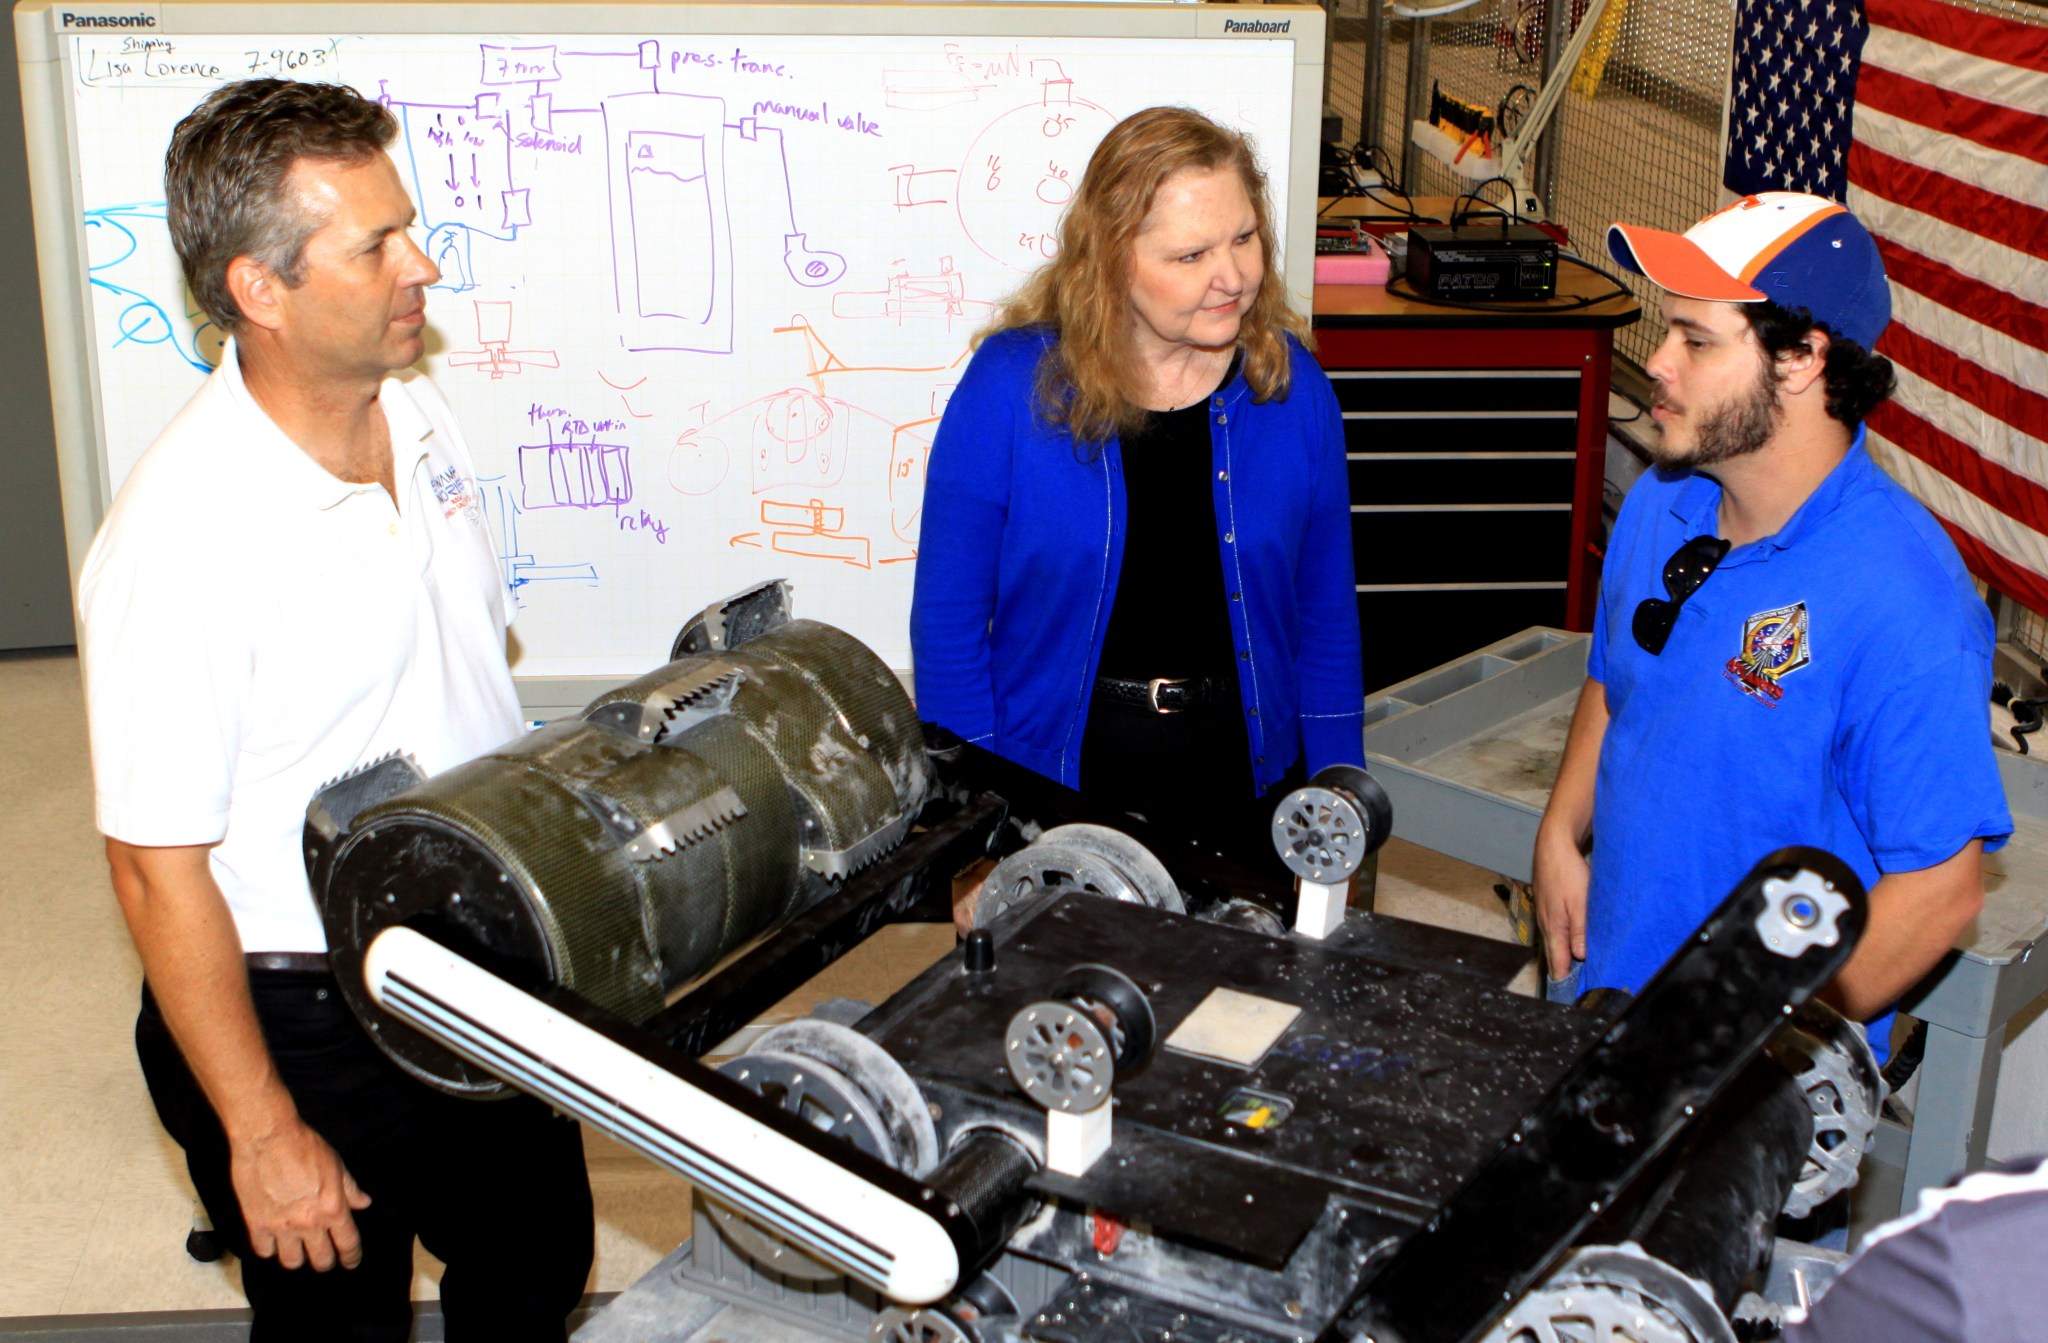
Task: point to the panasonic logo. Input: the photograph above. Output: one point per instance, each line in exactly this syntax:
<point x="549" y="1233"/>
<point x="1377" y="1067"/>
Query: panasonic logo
<point x="70" y="20"/>
<point x="1257" y="25"/>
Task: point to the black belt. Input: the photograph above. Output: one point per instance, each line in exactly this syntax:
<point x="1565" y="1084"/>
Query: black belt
<point x="290" y="962"/>
<point x="1161" y="694"/>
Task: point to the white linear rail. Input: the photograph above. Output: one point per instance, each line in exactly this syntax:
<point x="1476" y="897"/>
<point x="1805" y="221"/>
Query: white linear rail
<point x="898" y="1249"/>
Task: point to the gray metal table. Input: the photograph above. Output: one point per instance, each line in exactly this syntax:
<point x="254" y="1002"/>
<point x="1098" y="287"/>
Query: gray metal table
<point x="1468" y="752"/>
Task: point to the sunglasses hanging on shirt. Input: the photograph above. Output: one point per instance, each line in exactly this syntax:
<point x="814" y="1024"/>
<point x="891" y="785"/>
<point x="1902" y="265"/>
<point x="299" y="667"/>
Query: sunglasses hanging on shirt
<point x="1689" y="566"/>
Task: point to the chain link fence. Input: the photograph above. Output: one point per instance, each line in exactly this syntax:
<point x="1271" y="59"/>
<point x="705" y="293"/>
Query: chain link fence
<point x="2022" y="11"/>
<point x="1637" y="135"/>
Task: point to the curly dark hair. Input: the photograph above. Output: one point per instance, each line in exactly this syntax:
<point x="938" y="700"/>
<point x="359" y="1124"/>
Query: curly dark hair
<point x="224" y="177"/>
<point x="1857" y="381"/>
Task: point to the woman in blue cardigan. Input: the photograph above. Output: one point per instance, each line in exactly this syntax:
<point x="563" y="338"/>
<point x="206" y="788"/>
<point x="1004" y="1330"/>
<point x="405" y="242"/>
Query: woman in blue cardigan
<point x="1135" y="569"/>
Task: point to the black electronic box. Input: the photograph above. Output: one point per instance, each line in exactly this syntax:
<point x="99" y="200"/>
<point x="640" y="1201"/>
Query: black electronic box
<point x="1483" y="262"/>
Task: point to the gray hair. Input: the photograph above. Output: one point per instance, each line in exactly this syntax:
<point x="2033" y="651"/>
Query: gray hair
<point x="225" y="174"/>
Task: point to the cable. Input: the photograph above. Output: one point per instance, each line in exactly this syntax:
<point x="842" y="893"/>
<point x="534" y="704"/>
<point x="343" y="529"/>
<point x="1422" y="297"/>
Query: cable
<point x="1366" y="157"/>
<point x="1561" y="303"/>
<point x="1620" y="284"/>
<point x="1510" y="214"/>
<point x="1406" y="213"/>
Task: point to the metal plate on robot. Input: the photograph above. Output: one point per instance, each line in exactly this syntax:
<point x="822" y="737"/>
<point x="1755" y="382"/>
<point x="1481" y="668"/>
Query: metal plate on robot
<point x="1087" y="1310"/>
<point x="1406" y="942"/>
<point x="1400" y="1079"/>
<point x="1244" y="1206"/>
<point x="1617" y="1108"/>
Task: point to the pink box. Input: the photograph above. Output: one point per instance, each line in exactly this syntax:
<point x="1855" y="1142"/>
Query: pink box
<point x="1368" y="267"/>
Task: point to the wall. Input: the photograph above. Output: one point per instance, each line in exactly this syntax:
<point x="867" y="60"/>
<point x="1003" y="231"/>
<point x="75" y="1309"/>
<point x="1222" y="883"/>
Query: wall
<point x="35" y="581"/>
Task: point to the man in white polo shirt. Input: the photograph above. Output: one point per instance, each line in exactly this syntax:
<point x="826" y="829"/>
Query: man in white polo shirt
<point x="297" y="579"/>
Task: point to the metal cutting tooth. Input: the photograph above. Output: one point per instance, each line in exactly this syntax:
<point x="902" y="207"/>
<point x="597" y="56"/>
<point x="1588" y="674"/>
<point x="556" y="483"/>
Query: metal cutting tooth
<point x="651" y="845"/>
<point x="338" y="802"/>
<point x="396" y="753"/>
<point x="722" y="808"/>
<point x="685" y="701"/>
<point x="655" y="709"/>
<point x="692" y="824"/>
<point x="716" y="679"/>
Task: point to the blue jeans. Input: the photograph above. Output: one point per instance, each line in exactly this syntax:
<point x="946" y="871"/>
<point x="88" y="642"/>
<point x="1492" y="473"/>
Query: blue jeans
<point x="1565" y="990"/>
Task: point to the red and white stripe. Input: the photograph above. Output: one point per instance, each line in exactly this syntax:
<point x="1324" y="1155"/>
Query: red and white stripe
<point x="1949" y="168"/>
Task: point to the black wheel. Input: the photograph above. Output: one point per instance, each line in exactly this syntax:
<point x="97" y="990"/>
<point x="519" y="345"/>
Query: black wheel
<point x="205" y="1245"/>
<point x="1514" y="105"/>
<point x="1118" y="1006"/>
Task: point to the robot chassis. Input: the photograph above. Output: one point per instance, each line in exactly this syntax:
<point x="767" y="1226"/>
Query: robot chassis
<point x="1152" y="1097"/>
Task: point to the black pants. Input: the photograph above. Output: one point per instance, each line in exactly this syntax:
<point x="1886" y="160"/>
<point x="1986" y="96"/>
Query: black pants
<point x="1189" y="772"/>
<point x="496" y="1189"/>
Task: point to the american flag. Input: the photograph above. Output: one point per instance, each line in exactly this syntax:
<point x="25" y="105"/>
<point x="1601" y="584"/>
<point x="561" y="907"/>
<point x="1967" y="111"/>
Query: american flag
<point x="1788" y="109"/>
<point x="1944" y="156"/>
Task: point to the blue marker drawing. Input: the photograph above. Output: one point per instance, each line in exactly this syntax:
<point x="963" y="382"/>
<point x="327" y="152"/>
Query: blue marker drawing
<point x="458" y="160"/>
<point x="143" y="321"/>
<point x="519" y="566"/>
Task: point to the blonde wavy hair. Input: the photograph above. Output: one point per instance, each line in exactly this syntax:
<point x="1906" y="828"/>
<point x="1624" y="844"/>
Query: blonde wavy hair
<point x="1089" y="382"/>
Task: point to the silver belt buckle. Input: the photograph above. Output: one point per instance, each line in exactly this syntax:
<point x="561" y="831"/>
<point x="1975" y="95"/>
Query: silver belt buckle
<point x="1152" y="693"/>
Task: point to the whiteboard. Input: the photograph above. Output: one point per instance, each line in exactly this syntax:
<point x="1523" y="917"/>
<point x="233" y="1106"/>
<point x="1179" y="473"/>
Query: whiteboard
<point x="708" y="273"/>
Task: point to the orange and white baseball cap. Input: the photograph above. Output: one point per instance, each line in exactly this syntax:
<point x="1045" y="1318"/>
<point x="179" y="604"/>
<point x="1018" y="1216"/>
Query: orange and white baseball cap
<point x="1798" y="251"/>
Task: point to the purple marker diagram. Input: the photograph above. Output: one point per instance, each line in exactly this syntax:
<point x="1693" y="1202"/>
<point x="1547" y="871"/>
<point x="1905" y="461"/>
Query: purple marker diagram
<point x="671" y="237"/>
<point x="702" y="298"/>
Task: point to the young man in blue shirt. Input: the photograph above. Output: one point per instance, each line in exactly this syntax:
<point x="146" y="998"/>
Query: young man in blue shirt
<point x="1787" y="649"/>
